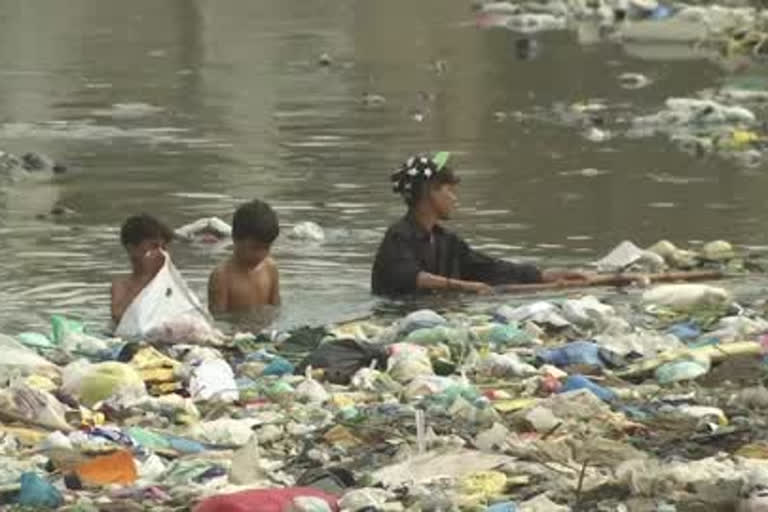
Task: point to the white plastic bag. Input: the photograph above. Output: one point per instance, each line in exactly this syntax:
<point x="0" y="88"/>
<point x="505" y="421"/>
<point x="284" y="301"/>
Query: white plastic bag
<point x="308" y="231"/>
<point x="16" y="355"/>
<point x="687" y="295"/>
<point x="587" y="311"/>
<point x="213" y="379"/>
<point x="161" y="306"/>
<point x="310" y="390"/>
<point x="626" y="254"/>
<point x="211" y="225"/>
<point x="110" y="380"/>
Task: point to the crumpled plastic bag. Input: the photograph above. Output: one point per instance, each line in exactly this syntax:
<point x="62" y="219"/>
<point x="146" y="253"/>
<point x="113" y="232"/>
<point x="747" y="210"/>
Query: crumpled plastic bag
<point x="309" y="504"/>
<point x="368" y="379"/>
<point x="245" y="468"/>
<point x="70" y="335"/>
<point x="212" y="227"/>
<point x="580" y="404"/>
<point x="224" y="431"/>
<point x="93" y="383"/>
<point x="544" y="313"/>
<point x="368" y="497"/>
<point x="19" y="360"/>
<point x="509" y="334"/>
<point x="307" y="230"/>
<point x="687" y="296"/>
<point x="166" y="310"/>
<point x="736" y="328"/>
<point x="311" y="391"/>
<point x="529" y="23"/>
<point x="502" y="366"/>
<point x="340" y="359"/>
<point x="181" y="409"/>
<point x="627" y="254"/>
<point x="573" y="353"/>
<point x="645" y="343"/>
<point x="678" y="371"/>
<point x="38" y="493"/>
<point x="213" y="379"/>
<point x="482" y="486"/>
<point x="587" y="311"/>
<point x="424" y="385"/>
<point x="37" y="406"/>
<point x="421" y="319"/>
<point x="35" y="339"/>
<point x="674" y="256"/>
<point x="437" y="334"/>
<point x="408" y="362"/>
<point x="262" y="500"/>
<point x="689" y="111"/>
<point x="576" y="382"/>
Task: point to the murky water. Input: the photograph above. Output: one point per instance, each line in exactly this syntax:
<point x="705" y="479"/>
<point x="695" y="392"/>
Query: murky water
<point x="185" y="108"/>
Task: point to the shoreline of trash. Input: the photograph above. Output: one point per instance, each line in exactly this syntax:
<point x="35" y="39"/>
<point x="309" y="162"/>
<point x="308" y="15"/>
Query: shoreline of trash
<point x="570" y="403"/>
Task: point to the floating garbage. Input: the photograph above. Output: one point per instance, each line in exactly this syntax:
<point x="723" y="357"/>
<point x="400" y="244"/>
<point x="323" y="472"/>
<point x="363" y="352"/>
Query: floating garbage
<point x="633" y="80"/>
<point x="518" y="406"/>
<point x="308" y="231"/>
<point x="687" y="296"/>
<point x="206" y="230"/>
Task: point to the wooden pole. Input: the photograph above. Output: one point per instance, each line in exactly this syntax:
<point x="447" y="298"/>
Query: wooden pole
<point x="613" y="280"/>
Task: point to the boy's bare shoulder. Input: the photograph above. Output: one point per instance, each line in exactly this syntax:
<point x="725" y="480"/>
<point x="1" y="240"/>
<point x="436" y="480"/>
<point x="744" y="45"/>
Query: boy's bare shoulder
<point x="269" y="267"/>
<point x="121" y="281"/>
<point x="222" y="269"/>
<point x="270" y="264"/>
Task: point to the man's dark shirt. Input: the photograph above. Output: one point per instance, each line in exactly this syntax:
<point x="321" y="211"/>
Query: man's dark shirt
<point x="408" y="249"/>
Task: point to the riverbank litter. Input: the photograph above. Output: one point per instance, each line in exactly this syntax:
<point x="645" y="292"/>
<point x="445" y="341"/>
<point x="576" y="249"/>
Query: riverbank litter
<point x="652" y="401"/>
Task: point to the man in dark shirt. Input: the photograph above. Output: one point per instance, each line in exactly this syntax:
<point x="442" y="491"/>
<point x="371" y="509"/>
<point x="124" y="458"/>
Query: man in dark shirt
<point x="418" y="254"/>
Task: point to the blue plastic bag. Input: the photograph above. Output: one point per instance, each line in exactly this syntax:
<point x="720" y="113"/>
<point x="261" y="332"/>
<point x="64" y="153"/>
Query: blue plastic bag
<point x="685" y="331"/>
<point x="278" y="367"/>
<point x="575" y="382"/>
<point x="576" y="352"/>
<point x="36" y="492"/>
<point x="507" y="506"/>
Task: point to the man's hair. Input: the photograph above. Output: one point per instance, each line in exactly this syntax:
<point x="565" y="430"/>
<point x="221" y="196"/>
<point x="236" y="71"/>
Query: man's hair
<point x="142" y="227"/>
<point x="255" y="220"/>
<point x="420" y="188"/>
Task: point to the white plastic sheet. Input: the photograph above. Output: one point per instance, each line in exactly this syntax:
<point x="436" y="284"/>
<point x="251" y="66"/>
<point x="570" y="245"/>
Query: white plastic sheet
<point x="163" y="307"/>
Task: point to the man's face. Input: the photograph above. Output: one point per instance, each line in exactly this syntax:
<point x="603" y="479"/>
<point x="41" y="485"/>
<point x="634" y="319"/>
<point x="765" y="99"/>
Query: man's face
<point x="443" y="200"/>
<point x="148" y="256"/>
<point x="250" y="252"/>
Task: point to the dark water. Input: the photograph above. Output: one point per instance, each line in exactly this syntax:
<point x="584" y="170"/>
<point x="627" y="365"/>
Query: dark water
<point x="233" y="105"/>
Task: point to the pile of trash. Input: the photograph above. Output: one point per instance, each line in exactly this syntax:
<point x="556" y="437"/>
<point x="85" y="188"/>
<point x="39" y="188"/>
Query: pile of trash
<point x="654" y="401"/>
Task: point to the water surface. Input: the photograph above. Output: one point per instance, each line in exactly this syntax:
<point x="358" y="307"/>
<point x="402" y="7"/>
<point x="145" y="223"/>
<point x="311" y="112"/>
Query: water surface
<point x="186" y="108"/>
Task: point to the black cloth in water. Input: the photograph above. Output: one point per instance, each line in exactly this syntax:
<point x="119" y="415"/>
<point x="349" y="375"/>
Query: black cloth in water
<point x="408" y="249"/>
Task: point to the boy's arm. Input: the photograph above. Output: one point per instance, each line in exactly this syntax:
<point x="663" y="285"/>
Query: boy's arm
<point x="118" y="299"/>
<point x="274" y="295"/>
<point x="217" y="292"/>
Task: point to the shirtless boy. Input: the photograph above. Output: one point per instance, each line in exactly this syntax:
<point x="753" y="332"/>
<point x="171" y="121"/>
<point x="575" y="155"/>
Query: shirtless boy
<point x="144" y="238"/>
<point x="249" y="278"/>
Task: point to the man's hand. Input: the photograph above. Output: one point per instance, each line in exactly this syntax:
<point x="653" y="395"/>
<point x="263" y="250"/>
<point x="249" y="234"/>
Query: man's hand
<point x="478" y="288"/>
<point x="553" y="276"/>
<point x="152" y="262"/>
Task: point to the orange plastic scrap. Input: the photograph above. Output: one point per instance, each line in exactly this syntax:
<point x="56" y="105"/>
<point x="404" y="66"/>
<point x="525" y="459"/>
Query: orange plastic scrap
<point x="115" y="468"/>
